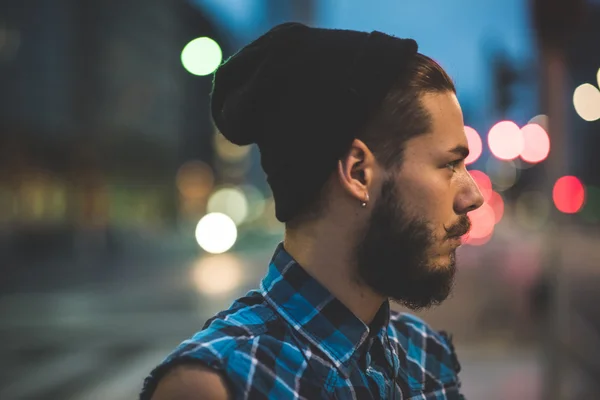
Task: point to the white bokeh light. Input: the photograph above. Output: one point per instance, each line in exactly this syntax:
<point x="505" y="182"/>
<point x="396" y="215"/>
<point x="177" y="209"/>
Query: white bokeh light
<point x="586" y="100"/>
<point x="505" y="140"/>
<point x="217" y="274"/>
<point x="216" y="233"/>
<point x="231" y="202"/>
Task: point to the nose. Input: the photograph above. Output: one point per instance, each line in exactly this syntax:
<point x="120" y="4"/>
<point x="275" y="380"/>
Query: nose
<point x="469" y="197"/>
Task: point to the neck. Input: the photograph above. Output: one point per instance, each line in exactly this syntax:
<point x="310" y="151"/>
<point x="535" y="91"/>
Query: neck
<point x="324" y="253"/>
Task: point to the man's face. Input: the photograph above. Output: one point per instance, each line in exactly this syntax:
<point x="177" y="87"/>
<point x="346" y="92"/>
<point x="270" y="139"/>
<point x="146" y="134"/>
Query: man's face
<point x="408" y="249"/>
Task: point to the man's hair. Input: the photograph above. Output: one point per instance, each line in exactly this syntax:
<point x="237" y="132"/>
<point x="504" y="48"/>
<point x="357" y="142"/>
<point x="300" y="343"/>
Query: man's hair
<point x="400" y="117"/>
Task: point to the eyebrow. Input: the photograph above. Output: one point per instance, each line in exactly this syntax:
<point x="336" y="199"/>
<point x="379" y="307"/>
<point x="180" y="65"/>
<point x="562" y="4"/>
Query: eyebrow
<point x="460" y="150"/>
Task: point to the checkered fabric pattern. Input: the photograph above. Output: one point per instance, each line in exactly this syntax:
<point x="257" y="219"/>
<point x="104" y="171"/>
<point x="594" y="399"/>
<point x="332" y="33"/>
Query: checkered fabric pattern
<point x="291" y="339"/>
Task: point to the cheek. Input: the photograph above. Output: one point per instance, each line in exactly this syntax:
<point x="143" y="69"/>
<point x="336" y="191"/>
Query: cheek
<point x="429" y="196"/>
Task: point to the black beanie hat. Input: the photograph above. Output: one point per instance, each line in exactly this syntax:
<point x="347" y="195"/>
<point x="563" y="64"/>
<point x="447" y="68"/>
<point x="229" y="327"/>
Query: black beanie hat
<point x="303" y="95"/>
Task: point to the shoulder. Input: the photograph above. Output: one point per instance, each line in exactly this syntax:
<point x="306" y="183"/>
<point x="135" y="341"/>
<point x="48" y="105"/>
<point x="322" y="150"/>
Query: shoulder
<point x="424" y="344"/>
<point x="192" y="382"/>
<point x="239" y="344"/>
<point x="229" y="331"/>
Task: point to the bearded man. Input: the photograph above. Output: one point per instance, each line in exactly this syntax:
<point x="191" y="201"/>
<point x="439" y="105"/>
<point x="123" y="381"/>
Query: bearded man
<point x="362" y="141"/>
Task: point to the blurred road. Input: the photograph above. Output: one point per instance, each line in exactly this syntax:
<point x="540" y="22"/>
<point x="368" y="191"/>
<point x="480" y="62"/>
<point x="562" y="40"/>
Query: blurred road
<point x="84" y="345"/>
<point x="101" y="346"/>
<point x="66" y="336"/>
<point x="95" y="329"/>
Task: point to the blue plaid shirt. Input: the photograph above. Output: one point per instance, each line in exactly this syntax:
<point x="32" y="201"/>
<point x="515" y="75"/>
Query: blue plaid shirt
<point x="291" y="339"/>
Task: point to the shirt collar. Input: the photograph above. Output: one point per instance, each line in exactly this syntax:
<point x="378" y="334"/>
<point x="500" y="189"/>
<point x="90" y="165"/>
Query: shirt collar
<point x="315" y="313"/>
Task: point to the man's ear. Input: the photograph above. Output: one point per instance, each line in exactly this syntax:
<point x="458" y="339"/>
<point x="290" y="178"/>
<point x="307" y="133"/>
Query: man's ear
<point x="357" y="170"/>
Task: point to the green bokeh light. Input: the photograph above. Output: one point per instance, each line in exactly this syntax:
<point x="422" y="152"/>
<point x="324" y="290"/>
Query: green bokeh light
<point x="202" y="56"/>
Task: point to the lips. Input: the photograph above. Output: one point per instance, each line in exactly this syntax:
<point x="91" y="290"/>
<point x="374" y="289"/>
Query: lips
<point x="459" y="240"/>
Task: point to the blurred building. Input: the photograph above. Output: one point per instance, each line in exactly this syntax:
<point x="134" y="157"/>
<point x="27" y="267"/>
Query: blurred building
<point x="102" y="126"/>
<point x="584" y="67"/>
<point x="97" y="112"/>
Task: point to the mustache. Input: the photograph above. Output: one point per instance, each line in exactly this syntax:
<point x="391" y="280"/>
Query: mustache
<point x="461" y="228"/>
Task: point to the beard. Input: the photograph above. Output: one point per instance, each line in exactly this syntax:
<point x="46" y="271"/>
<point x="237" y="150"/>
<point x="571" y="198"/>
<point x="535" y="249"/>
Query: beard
<point x="395" y="254"/>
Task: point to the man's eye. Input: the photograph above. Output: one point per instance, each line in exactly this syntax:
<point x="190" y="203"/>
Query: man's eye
<point x="452" y="165"/>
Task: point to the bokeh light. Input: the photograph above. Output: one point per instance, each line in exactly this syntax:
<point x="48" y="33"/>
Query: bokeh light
<point x="586" y="100"/>
<point x="536" y="143"/>
<point x="479" y="241"/>
<point x="256" y="202"/>
<point x="475" y="145"/>
<point x="483" y="221"/>
<point x="195" y="179"/>
<point x="497" y="203"/>
<point x="217" y="274"/>
<point x="216" y="233"/>
<point x="503" y="174"/>
<point x="202" y="56"/>
<point x="521" y="165"/>
<point x="483" y="182"/>
<point x="568" y="194"/>
<point x="230" y="201"/>
<point x="541" y="120"/>
<point x="505" y="140"/>
<point x="532" y="210"/>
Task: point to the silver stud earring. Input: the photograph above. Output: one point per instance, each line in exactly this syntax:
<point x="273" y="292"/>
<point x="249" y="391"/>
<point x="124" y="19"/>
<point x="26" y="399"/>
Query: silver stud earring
<point x="364" y="203"/>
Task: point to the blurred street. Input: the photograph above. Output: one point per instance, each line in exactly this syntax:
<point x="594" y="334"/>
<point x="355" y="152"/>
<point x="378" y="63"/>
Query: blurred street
<point x="127" y="219"/>
<point x="84" y="335"/>
<point x="99" y="340"/>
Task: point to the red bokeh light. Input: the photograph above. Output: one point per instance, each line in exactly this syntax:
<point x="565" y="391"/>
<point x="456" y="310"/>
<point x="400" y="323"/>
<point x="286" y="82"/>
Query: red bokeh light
<point x="536" y="143"/>
<point x="483" y="221"/>
<point x="568" y="194"/>
<point x="475" y="145"/>
<point x="479" y="242"/>
<point x="483" y="182"/>
<point x="505" y="140"/>
<point x="497" y="204"/>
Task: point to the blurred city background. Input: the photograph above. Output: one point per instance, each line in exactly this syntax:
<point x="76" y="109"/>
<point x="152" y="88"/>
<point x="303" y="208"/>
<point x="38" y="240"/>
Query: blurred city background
<point x="126" y="220"/>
